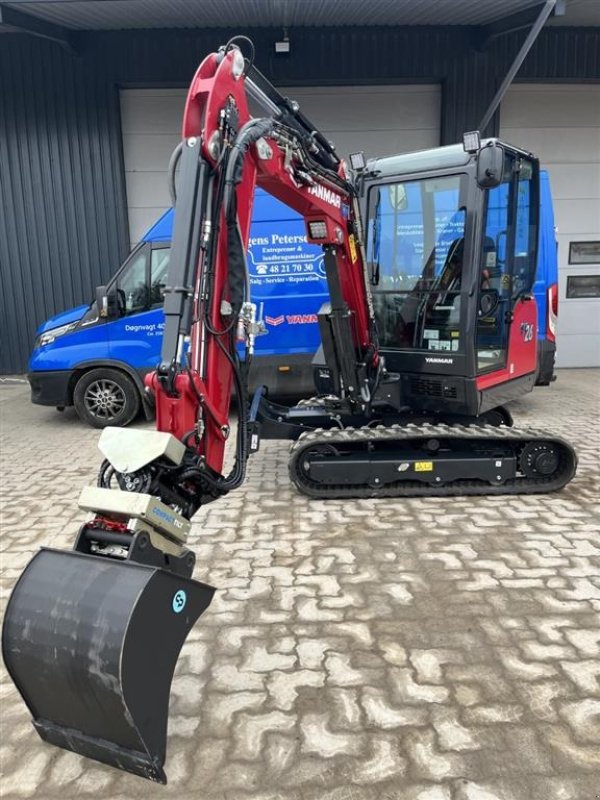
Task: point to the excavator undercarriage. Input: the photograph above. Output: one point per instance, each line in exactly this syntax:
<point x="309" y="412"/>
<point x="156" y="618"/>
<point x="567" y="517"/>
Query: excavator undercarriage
<point x="429" y="461"/>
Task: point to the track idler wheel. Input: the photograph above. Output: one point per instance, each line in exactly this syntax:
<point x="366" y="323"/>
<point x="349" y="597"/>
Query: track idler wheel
<point x="91" y="644"/>
<point x="539" y="459"/>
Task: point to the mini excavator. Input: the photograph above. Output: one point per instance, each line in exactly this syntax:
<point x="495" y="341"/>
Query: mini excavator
<point x="429" y="330"/>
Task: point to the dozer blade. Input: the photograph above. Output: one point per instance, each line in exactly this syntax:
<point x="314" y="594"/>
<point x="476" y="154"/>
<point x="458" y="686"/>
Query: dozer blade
<point x="91" y="644"/>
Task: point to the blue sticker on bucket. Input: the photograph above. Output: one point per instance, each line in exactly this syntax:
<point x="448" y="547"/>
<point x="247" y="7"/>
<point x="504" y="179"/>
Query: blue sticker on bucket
<point x="179" y="601"/>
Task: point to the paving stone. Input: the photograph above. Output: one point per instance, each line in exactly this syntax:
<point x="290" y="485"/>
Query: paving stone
<point x="417" y="649"/>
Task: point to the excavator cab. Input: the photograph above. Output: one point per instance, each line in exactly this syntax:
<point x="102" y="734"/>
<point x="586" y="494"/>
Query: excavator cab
<point x="451" y="247"/>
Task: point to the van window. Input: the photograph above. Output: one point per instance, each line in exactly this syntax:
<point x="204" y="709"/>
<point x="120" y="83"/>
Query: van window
<point x="132" y="288"/>
<point x="159" y="265"/>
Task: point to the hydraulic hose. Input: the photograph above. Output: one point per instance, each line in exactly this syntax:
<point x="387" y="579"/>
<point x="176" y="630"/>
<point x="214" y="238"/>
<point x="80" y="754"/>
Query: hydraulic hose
<point x="249" y="133"/>
<point x="173" y="161"/>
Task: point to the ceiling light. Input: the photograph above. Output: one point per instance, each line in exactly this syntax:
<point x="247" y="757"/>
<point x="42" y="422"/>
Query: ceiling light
<point x="282" y="46"/>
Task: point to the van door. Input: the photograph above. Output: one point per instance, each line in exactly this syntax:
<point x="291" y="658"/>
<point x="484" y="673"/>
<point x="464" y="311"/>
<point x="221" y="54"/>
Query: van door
<point x="135" y="336"/>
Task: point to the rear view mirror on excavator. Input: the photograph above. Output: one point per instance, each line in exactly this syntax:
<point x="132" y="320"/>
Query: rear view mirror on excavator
<point x="490" y="165"/>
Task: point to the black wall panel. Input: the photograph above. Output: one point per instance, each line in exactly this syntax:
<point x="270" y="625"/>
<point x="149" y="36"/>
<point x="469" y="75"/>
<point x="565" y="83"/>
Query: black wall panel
<point x="63" y="222"/>
<point x="63" y="216"/>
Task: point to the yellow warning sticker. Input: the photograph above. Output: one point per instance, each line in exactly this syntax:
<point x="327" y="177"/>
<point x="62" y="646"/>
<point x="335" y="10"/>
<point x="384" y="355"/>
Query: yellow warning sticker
<point x="353" y="253"/>
<point x="423" y="466"/>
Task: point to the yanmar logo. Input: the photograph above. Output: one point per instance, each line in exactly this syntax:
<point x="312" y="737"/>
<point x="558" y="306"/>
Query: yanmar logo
<point x="301" y="319"/>
<point x="429" y="360"/>
<point x="326" y="194"/>
<point x="275" y="320"/>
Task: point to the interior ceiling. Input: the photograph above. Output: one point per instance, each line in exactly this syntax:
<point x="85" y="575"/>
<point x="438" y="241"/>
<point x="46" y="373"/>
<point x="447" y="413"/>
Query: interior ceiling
<point x="123" y="14"/>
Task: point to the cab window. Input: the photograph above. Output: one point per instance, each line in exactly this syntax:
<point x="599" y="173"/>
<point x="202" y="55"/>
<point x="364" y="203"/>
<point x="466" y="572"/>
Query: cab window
<point x="508" y="263"/>
<point x="415" y="249"/>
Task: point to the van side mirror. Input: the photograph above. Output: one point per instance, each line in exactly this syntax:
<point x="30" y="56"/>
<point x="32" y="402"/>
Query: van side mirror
<point x="106" y="300"/>
<point x="490" y="165"/>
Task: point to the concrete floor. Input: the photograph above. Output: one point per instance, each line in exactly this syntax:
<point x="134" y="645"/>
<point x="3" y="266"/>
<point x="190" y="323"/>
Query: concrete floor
<point x="373" y="650"/>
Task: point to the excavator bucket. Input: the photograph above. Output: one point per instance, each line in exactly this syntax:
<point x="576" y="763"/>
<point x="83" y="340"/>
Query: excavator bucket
<point x="91" y="644"/>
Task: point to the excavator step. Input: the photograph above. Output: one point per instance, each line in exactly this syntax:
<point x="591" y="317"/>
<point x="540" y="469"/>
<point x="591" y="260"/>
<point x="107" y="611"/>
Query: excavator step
<point x="91" y="644"/>
<point x="430" y="461"/>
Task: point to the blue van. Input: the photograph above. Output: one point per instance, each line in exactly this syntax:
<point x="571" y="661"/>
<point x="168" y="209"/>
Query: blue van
<point x="98" y="364"/>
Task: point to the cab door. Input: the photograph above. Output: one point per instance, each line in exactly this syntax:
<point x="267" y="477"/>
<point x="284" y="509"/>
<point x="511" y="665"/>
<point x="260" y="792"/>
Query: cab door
<point x="506" y="333"/>
<point x="135" y="336"/>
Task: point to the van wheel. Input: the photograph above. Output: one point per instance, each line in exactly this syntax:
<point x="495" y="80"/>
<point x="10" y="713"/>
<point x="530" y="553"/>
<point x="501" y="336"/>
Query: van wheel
<point x="106" y="397"/>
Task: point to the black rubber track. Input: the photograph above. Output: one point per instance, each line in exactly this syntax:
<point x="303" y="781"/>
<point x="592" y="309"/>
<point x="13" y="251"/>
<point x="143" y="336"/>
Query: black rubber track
<point x="513" y="437"/>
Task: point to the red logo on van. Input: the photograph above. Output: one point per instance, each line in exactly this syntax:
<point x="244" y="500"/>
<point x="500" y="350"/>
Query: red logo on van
<point x="275" y="320"/>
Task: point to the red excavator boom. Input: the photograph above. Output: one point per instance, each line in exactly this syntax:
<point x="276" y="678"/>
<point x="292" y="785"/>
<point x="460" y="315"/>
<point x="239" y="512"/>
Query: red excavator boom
<point x="225" y="152"/>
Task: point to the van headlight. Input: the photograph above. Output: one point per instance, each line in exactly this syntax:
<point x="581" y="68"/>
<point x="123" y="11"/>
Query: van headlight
<point x="49" y="336"/>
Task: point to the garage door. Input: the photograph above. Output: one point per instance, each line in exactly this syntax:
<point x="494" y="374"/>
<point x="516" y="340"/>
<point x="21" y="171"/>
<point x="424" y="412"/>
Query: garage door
<point x="561" y="124"/>
<point x="380" y="120"/>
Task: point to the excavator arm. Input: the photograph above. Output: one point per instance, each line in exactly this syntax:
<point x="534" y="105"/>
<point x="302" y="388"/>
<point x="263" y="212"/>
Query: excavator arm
<point x="224" y="154"/>
<point x="91" y="636"/>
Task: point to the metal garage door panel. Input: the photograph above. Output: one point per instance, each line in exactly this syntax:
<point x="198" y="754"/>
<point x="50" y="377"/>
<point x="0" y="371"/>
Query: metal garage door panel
<point x="379" y="143"/>
<point x="579" y="216"/>
<point x="148" y="152"/>
<point x="576" y="181"/>
<point x="562" y="145"/>
<point x="561" y="124"/>
<point x="367" y="108"/>
<point x="152" y="110"/>
<point x="377" y="119"/>
<point x="151" y="123"/>
<point x="381" y="120"/>
<point x="539" y="106"/>
<point x="149" y="191"/>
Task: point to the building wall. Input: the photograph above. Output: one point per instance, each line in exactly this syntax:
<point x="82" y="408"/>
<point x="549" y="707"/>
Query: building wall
<point x="63" y="222"/>
<point x="63" y="215"/>
<point x="561" y="124"/>
<point x="374" y="119"/>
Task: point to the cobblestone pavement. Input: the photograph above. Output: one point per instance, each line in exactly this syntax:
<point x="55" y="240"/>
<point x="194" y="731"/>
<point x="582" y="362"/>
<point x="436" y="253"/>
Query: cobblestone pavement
<point x="372" y="650"/>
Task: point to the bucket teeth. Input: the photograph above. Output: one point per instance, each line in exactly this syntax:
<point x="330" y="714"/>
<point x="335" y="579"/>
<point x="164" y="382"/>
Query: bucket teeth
<point x="91" y="644"/>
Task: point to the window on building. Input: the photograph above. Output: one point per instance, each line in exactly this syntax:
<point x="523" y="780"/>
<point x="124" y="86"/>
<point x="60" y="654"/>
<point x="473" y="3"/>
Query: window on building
<point x="581" y="286"/>
<point x="584" y="252"/>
